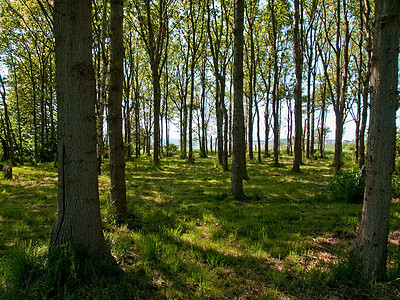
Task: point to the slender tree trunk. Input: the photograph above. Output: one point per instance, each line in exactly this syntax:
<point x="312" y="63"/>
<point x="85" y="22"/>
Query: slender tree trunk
<point x="258" y="134"/>
<point x="33" y="82"/>
<point x="184" y="130"/>
<point x="366" y="89"/>
<point x="298" y="57"/>
<point x="18" y="113"/>
<point x="341" y="85"/>
<point x="78" y="221"/>
<point x="117" y="159"/>
<point x="103" y="95"/>
<point x="157" y="104"/>
<point x="338" y="140"/>
<point x="224" y="128"/>
<point x="190" y="157"/>
<point x="239" y="150"/>
<point x="7" y="122"/>
<point x="371" y="243"/>
<point x="322" y="130"/>
<point x="289" y="138"/>
<point x="275" y="93"/>
<point x="312" y="150"/>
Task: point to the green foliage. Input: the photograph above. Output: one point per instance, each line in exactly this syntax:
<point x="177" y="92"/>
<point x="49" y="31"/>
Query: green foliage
<point x="395" y="186"/>
<point x="344" y="273"/>
<point x="30" y="272"/>
<point x="349" y="147"/>
<point x="347" y="186"/>
<point x="172" y="150"/>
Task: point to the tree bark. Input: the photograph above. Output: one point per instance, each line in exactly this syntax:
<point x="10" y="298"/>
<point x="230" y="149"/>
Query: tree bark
<point x="298" y="58"/>
<point x="239" y="147"/>
<point x="78" y="221"/>
<point x="117" y="159"/>
<point x="371" y="242"/>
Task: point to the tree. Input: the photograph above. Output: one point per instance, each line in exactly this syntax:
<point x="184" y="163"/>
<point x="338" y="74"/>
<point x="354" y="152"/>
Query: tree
<point x="219" y="34"/>
<point x="338" y="89"/>
<point x="251" y="11"/>
<point x="78" y="221"/>
<point x="365" y="95"/>
<point x="196" y="23"/>
<point x="239" y="146"/>
<point x="153" y="24"/>
<point x="371" y="243"/>
<point x="117" y="160"/>
<point x="298" y="58"/>
<point x="7" y="126"/>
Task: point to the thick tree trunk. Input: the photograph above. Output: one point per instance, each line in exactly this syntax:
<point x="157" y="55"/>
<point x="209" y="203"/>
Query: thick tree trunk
<point x="239" y="147"/>
<point x="78" y="221"/>
<point x="371" y="243"/>
<point x="117" y="159"/>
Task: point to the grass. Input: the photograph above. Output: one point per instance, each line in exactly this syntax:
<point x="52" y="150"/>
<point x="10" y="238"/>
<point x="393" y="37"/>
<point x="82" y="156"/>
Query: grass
<point x="185" y="238"/>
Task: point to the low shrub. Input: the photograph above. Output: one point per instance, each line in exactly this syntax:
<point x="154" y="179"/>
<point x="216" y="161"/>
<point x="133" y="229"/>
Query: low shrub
<point x="172" y="150"/>
<point x="347" y="186"/>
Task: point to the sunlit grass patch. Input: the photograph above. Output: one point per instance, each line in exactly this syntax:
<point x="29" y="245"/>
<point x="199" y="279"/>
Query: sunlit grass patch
<point x="185" y="238"/>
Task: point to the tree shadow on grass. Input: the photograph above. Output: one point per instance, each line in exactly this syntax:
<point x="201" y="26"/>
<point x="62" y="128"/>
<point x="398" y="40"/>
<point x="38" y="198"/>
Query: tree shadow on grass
<point x="181" y="269"/>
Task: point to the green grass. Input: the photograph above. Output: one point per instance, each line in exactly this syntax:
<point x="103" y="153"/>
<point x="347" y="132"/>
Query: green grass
<point x="186" y="238"/>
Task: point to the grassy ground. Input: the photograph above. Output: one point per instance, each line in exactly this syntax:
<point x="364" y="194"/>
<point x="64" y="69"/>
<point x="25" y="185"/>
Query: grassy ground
<point x="187" y="239"/>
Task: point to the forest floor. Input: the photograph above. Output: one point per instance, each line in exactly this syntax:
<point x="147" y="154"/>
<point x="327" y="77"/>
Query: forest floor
<point x="186" y="238"/>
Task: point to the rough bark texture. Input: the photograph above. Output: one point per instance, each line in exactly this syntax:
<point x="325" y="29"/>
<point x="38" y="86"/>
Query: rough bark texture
<point x="117" y="159"/>
<point x="78" y="221"/>
<point x="298" y="57"/>
<point x="239" y="147"/>
<point x="371" y="242"/>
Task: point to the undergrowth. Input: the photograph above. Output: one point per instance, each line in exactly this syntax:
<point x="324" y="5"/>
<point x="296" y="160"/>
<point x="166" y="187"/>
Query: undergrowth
<point x="186" y="238"/>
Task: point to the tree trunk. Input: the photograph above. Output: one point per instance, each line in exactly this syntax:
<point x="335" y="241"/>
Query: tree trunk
<point x="117" y="159"/>
<point x="239" y="147"/>
<point x="7" y="122"/>
<point x="341" y="89"/>
<point x="275" y="92"/>
<point x="78" y="221"/>
<point x="322" y="129"/>
<point x="103" y="95"/>
<point x="371" y="243"/>
<point x="366" y="90"/>
<point x="18" y="113"/>
<point x="298" y="57"/>
<point x="312" y="150"/>
<point x="157" y="104"/>
<point x="258" y="134"/>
